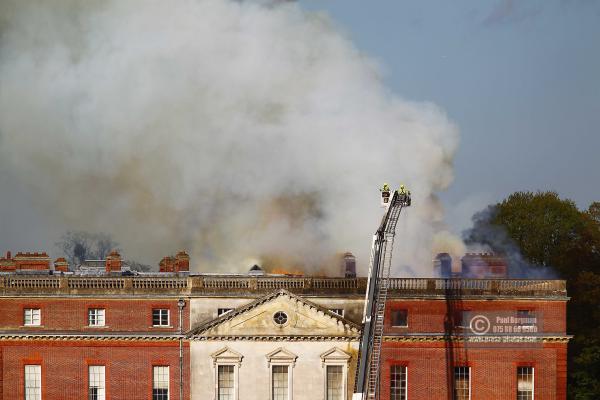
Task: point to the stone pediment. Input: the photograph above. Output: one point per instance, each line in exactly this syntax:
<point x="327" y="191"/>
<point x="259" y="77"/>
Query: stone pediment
<point x="279" y="314"/>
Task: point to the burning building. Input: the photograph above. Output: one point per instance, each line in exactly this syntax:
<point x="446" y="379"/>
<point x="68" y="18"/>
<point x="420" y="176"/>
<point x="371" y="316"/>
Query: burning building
<point x="182" y="335"/>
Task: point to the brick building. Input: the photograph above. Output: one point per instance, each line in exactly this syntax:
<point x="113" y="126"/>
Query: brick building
<point x="104" y="334"/>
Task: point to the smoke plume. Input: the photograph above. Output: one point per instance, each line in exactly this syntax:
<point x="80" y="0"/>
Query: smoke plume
<point x="233" y="129"/>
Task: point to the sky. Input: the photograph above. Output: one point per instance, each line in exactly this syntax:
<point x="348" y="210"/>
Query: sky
<point x="521" y="79"/>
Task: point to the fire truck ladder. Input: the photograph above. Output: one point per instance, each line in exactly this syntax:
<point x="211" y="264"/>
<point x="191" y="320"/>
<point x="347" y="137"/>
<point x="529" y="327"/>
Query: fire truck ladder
<point x="367" y="383"/>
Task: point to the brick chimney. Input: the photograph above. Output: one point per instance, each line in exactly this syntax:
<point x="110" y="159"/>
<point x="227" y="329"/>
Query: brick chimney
<point x="61" y="265"/>
<point x="32" y="261"/>
<point x="7" y="263"/>
<point x="484" y="265"/>
<point x="113" y="262"/>
<point x="182" y="262"/>
<point x="167" y="264"/>
<point x="348" y="265"/>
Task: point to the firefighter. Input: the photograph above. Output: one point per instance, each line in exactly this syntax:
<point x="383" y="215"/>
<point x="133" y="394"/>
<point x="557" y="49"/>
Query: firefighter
<point x="385" y="194"/>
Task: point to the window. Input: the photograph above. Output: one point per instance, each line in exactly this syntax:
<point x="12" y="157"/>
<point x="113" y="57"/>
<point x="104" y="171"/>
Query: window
<point x="280" y="318"/>
<point x="223" y="311"/>
<point x="160" y="317"/>
<point x="338" y="311"/>
<point x="33" y="382"/>
<point x="226" y="389"/>
<point x="160" y="383"/>
<point x="335" y="382"/>
<point x="398" y="387"/>
<point x="462" y="383"/>
<point x="280" y="382"/>
<point x="32" y="316"/>
<point x="399" y="317"/>
<point x="96" y="317"/>
<point x="526" y="317"/>
<point x="525" y="383"/>
<point x="97" y="389"/>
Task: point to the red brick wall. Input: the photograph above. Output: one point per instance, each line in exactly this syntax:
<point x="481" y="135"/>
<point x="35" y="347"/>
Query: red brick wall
<point x="65" y="314"/>
<point x="128" y="368"/>
<point x="493" y="369"/>
<point x="427" y="315"/>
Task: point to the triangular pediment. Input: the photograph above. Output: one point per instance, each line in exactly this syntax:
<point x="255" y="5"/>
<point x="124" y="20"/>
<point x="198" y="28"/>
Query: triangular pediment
<point x="226" y="356"/>
<point x="335" y="356"/>
<point x="279" y="314"/>
<point x="281" y="356"/>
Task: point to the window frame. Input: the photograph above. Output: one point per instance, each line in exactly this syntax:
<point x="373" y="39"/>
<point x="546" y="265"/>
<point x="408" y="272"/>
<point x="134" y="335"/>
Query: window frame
<point x="336" y="357"/>
<point x="394" y="310"/>
<point x="96" y="310"/>
<point x="31" y="311"/>
<point x="405" y="366"/>
<point x="468" y="367"/>
<point x="160" y="325"/>
<point x="39" y="378"/>
<point x="223" y="310"/>
<point x="278" y="358"/>
<point x="154" y="381"/>
<point x="532" y="379"/>
<point x="335" y="311"/>
<point x="89" y="380"/>
<point x="227" y="357"/>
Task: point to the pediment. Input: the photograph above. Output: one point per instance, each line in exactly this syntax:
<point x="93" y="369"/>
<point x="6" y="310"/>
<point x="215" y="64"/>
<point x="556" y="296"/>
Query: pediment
<point x="281" y="356"/>
<point x="279" y="314"/>
<point x="335" y="356"/>
<point x="226" y="356"/>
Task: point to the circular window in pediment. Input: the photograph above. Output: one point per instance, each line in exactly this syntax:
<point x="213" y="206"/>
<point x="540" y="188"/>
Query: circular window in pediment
<point x="280" y="318"/>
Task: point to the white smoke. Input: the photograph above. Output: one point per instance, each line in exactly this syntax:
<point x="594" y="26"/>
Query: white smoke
<point x="232" y="129"/>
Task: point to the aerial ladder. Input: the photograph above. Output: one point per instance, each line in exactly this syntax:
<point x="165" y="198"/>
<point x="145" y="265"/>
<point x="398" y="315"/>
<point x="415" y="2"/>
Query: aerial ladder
<point x="368" y="372"/>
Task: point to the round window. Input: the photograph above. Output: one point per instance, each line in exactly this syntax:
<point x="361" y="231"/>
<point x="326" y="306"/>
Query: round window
<point x="280" y="318"/>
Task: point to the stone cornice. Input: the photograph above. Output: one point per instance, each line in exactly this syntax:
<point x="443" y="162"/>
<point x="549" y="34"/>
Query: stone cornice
<point x="478" y="339"/>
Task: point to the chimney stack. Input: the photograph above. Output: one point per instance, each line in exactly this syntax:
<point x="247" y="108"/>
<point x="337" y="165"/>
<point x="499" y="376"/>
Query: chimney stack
<point x="61" y="265"/>
<point x="32" y="261"/>
<point x="348" y="265"/>
<point x="442" y="265"/>
<point x="113" y="262"/>
<point x="182" y="262"/>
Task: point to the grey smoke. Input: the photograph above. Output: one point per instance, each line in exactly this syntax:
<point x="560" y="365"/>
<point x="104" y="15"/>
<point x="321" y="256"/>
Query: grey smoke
<point x="208" y="124"/>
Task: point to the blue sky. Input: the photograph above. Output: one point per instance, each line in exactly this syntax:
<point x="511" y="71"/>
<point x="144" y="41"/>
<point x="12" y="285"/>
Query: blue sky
<point x="519" y="78"/>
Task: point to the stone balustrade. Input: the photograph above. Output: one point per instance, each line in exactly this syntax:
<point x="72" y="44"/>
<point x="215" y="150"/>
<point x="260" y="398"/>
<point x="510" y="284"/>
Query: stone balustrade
<point x="12" y="284"/>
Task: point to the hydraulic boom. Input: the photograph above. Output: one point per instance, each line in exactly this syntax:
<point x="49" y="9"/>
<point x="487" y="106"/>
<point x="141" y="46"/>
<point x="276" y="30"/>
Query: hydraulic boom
<point x="367" y="382"/>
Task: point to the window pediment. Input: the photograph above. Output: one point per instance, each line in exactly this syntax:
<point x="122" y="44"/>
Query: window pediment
<point x="281" y="356"/>
<point x="335" y="356"/>
<point x="227" y="356"/>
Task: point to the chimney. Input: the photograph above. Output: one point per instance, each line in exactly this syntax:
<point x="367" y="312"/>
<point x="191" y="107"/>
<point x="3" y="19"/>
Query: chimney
<point x="442" y="265"/>
<point x="32" y="261"/>
<point x="113" y="262"/>
<point x="61" y="265"/>
<point x="182" y="262"/>
<point x="167" y="264"/>
<point x="348" y="265"/>
<point x="8" y="255"/>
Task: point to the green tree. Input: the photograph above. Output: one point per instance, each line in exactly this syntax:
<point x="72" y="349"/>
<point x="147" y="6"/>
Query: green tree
<point x="544" y="232"/>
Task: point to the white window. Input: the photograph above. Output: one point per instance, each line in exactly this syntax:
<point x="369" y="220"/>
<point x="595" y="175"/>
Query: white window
<point x="398" y="387"/>
<point x="338" y="311"/>
<point x="226" y="362"/>
<point x="335" y="362"/>
<point x="281" y="363"/>
<point x="223" y="311"/>
<point x="160" y="383"/>
<point x="335" y="382"/>
<point x="226" y="382"/>
<point x="462" y="383"/>
<point x="97" y="388"/>
<point x="279" y="382"/>
<point x="32" y="316"/>
<point x="525" y="383"/>
<point x="96" y="317"/>
<point x="33" y="382"/>
<point x="160" y="317"/>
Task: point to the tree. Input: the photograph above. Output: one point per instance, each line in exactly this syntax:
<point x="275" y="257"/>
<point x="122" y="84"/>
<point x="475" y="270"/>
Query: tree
<point x="549" y="233"/>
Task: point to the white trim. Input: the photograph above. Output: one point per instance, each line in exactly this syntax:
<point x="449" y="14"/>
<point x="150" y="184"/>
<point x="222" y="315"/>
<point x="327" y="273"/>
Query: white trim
<point x="282" y="357"/>
<point x="227" y="357"/>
